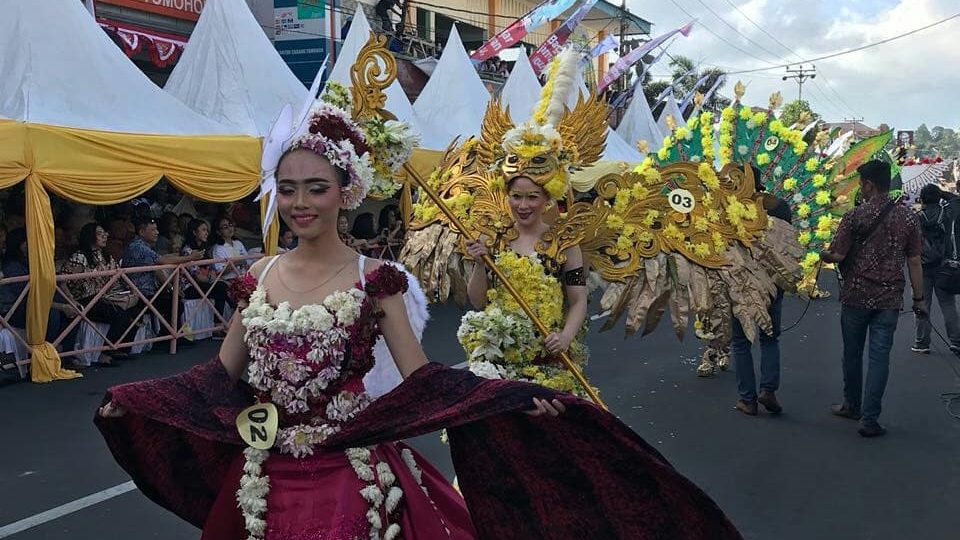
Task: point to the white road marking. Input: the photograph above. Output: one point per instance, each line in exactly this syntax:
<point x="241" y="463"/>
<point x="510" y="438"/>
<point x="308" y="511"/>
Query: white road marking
<point x="65" y="509"/>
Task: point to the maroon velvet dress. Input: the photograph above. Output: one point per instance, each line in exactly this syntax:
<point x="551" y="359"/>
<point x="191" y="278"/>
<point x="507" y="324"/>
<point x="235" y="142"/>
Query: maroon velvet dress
<point x="336" y="472"/>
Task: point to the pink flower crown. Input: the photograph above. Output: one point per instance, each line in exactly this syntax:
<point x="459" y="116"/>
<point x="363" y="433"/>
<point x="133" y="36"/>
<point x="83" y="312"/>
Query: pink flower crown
<point x="333" y="134"/>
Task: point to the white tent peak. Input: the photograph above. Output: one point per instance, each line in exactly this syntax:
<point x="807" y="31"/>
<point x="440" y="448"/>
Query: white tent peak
<point x="59" y="67"/>
<point x="638" y="124"/>
<point x="358" y="35"/>
<point x="454" y="100"/>
<point x="670" y="108"/>
<point x="231" y="73"/>
<point x="521" y="91"/>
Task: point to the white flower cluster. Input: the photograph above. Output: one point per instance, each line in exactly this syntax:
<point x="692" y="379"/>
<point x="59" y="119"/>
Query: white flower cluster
<point x="252" y="495"/>
<point x="296" y="354"/>
<point x="381" y="493"/>
<point x="486" y="335"/>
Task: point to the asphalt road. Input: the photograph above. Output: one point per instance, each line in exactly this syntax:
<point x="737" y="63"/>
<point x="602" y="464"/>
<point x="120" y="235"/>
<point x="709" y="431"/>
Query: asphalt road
<point x="801" y="476"/>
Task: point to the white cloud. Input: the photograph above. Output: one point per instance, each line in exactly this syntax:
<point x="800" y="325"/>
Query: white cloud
<point x="904" y="83"/>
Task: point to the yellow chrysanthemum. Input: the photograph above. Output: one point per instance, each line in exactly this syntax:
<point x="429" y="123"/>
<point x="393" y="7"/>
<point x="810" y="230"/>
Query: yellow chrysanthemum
<point x="822" y="198"/>
<point x="804" y="238"/>
<point x="624" y="243"/>
<point x="819" y="180"/>
<point x="615" y="222"/>
<point x="763" y="158"/>
<point x="803" y="210"/>
<point x="790" y="183"/>
<point x="811" y="164"/>
<point x="708" y="176"/>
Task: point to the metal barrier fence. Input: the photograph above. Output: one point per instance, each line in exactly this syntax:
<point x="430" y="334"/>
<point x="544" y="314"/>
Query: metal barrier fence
<point x="149" y="326"/>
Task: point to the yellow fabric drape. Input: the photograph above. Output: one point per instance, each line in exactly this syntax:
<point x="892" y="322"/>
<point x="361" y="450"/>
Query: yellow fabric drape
<point x="272" y="239"/>
<point x="100" y="167"/>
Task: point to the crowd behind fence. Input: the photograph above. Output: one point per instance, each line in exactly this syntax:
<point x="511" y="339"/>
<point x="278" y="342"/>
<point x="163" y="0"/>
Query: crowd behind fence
<point x="80" y="340"/>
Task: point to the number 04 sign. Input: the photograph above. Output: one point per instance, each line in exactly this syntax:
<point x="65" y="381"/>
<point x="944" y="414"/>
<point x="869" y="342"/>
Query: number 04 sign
<point x="258" y="425"/>
<point x="682" y="201"/>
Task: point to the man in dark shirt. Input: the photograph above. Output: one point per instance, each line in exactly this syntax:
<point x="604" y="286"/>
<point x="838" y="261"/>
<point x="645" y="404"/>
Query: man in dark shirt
<point x="769" y="344"/>
<point x="938" y="213"/>
<point x="871" y="293"/>
<point x="140" y="252"/>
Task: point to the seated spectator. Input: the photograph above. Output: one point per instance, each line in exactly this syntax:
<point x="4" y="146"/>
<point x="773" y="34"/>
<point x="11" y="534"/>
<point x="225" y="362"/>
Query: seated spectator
<point x="120" y="231"/>
<point x="198" y="233"/>
<point x="391" y="230"/>
<point x="225" y="246"/>
<point x="365" y="230"/>
<point x="343" y="229"/>
<point x="286" y="241"/>
<point x="170" y="239"/>
<point x="141" y="252"/>
<point x="15" y="264"/>
<point x="118" y="306"/>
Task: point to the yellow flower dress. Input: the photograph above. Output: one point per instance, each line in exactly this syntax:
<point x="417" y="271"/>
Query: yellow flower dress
<point x="502" y="343"/>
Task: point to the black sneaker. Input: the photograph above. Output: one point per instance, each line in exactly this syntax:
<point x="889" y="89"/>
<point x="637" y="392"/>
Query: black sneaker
<point x="872" y="430"/>
<point x="920" y="349"/>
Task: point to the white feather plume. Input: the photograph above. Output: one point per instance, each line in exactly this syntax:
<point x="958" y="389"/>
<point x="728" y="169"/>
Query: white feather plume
<point x="564" y="82"/>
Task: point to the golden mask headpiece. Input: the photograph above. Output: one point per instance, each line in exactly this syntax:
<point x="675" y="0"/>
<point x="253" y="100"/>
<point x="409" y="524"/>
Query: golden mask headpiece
<point x="555" y="140"/>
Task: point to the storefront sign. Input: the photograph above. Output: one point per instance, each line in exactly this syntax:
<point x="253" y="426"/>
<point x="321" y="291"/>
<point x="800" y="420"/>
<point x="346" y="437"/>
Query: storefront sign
<point x="302" y="35"/>
<point x="178" y="9"/>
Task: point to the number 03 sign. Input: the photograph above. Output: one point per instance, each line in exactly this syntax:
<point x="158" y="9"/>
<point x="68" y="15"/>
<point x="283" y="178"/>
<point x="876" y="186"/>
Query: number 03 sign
<point x="258" y="425"/>
<point x="682" y="201"/>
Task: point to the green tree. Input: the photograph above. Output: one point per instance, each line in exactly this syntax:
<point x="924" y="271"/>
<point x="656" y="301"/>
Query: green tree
<point x="683" y="86"/>
<point x="792" y="111"/>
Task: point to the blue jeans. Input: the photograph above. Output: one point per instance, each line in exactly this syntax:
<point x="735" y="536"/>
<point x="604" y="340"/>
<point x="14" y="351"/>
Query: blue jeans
<point x="769" y="356"/>
<point x="854" y="323"/>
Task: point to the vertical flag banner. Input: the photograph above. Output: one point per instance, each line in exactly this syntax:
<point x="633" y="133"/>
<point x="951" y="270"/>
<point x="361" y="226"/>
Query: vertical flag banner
<point x="551" y="46"/>
<point x="635" y="55"/>
<point x="608" y="43"/>
<point x="506" y="38"/>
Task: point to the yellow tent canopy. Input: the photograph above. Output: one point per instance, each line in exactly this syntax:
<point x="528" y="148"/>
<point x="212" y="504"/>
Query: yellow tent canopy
<point x="102" y="167"/>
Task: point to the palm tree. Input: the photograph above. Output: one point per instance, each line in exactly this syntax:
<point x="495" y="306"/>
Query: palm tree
<point x="683" y="86"/>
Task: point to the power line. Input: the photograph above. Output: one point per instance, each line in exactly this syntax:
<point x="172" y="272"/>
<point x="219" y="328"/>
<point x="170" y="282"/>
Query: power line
<point x="768" y="34"/>
<point x="737" y="31"/>
<point x="853" y="50"/>
<point x="718" y="36"/>
<point x="839" y="97"/>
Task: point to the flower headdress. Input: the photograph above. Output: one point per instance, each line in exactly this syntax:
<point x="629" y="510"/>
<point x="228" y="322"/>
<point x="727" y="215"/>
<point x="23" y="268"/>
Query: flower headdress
<point x="544" y="148"/>
<point x="371" y="151"/>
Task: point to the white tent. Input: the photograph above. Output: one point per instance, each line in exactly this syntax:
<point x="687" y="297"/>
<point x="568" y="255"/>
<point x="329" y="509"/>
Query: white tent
<point x="60" y="68"/>
<point x="672" y="110"/>
<point x="231" y="73"/>
<point x="454" y="100"/>
<point x="521" y="91"/>
<point x="397" y="102"/>
<point x="638" y="124"/>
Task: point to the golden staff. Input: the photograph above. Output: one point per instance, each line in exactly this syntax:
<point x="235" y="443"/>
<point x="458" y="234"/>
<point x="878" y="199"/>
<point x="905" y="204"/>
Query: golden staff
<point x="564" y="357"/>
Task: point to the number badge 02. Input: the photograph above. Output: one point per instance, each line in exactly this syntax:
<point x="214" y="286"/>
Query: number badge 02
<point x="258" y="425"/>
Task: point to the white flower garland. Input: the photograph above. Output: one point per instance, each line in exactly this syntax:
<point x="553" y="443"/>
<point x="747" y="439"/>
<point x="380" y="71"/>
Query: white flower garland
<point x="380" y="492"/>
<point x="252" y="495"/>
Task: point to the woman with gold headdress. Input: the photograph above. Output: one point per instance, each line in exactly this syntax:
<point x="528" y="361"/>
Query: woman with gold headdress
<point x="554" y="284"/>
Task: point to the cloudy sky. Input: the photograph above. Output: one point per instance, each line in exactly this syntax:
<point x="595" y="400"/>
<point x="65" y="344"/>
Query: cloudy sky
<point x="904" y="83"/>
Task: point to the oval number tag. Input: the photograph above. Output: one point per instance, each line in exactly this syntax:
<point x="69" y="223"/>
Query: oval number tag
<point x="258" y="425"/>
<point x="681" y="200"/>
<point x="772" y="142"/>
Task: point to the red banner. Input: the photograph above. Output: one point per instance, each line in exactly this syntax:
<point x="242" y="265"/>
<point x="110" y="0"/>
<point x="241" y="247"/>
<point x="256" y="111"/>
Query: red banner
<point x="178" y="9"/>
<point x="511" y="35"/>
<point x="552" y="45"/>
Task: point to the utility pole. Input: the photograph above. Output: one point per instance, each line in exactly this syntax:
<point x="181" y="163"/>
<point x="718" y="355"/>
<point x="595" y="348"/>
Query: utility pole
<point x="801" y="75"/>
<point x="853" y="124"/>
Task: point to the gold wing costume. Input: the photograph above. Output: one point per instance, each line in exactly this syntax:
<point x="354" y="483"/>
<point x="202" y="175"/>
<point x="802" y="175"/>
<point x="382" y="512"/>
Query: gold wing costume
<point x="683" y="238"/>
